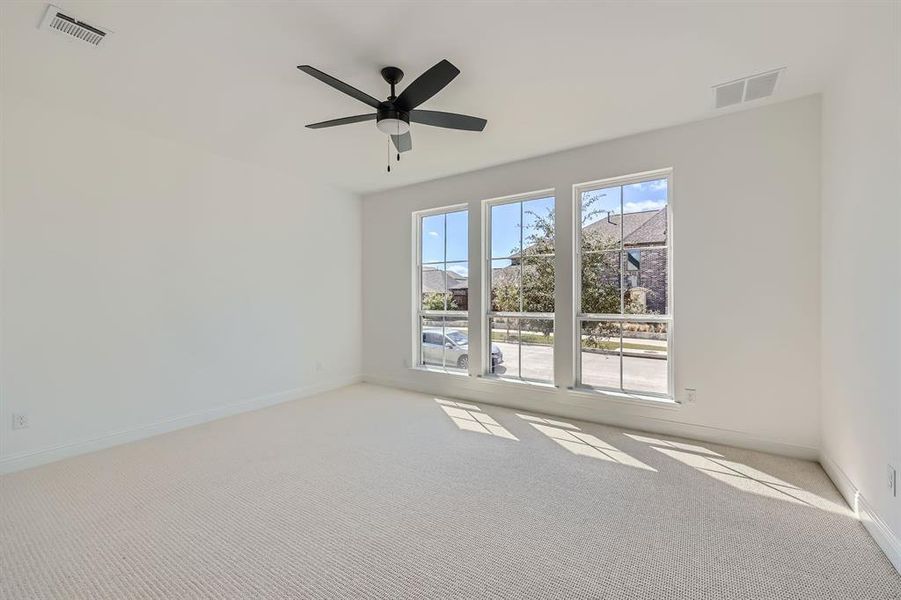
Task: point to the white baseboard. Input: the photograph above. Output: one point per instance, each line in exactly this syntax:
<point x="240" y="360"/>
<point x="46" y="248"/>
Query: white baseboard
<point x="879" y="530"/>
<point x="498" y="394"/>
<point x="33" y="458"/>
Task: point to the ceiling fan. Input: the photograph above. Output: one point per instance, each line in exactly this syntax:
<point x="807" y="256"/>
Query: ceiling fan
<point x="394" y="115"/>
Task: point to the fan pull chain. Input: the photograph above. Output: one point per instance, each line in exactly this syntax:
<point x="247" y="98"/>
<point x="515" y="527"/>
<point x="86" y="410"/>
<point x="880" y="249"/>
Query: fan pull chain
<point x="389" y="153"/>
<point x="398" y="137"/>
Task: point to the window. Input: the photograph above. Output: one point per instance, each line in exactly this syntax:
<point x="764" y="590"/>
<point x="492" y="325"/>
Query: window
<point x="633" y="260"/>
<point x="520" y="268"/>
<point x="623" y="322"/>
<point x="442" y="283"/>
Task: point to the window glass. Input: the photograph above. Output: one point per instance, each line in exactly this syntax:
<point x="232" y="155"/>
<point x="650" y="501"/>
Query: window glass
<point x="457" y="238"/>
<point x="645" y="364"/>
<point x="432" y="239"/>
<point x="506" y="230"/>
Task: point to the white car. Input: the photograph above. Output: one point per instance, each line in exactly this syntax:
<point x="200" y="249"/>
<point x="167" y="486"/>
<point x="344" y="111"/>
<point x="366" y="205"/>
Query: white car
<point x="451" y="348"/>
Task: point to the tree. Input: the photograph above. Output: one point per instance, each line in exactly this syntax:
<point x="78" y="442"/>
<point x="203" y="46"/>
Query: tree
<point x="532" y="272"/>
<point x="435" y="301"/>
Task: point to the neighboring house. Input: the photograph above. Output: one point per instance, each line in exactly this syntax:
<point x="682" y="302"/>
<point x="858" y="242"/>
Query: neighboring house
<point x="644" y="276"/>
<point x="644" y="240"/>
<point x="438" y="281"/>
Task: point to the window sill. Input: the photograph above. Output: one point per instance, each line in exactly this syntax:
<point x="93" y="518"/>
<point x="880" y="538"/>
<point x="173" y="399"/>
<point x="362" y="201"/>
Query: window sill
<point x="627" y="398"/>
<point x="426" y="369"/>
<point x="581" y="395"/>
<point x="494" y="379"/>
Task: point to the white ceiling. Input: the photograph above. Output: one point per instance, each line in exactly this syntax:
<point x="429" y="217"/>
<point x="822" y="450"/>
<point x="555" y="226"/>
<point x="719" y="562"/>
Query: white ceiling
<point x="547" y="76"/>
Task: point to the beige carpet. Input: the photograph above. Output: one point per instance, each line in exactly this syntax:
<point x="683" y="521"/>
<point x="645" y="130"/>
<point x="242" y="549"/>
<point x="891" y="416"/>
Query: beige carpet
<point x="369" y="492"/>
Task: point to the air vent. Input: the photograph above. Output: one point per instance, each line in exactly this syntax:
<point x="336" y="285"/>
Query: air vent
<point x="72" y="27"/>
<point x="746" y="89"/>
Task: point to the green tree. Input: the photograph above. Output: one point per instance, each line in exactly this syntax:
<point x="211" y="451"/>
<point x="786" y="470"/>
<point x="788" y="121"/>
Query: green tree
<point x="600" y="275"/>
<point x="599" y="272"/>
<point x="435" y="301"/>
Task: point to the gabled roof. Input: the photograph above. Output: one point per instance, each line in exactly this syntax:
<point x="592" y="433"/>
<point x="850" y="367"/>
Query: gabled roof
<point x="434" y="280"/>
<point x="638" y="228"/>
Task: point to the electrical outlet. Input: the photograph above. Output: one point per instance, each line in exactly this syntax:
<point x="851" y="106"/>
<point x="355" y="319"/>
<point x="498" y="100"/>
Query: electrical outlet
<point x="20" y="421"/>
<point x="892" y="480"/>
<point x="691" y="394"/>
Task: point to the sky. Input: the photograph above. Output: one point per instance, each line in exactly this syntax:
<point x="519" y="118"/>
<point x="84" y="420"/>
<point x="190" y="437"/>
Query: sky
<point x="636" y="197"/>
<point x="510" y="220"/>
<point x="451" y="227"/>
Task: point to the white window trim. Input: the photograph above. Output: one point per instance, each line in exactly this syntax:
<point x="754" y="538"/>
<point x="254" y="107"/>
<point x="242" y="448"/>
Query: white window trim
<point x="578" y="316"/>
<point x="485" y="306"/>
<point x="417" y="311"/>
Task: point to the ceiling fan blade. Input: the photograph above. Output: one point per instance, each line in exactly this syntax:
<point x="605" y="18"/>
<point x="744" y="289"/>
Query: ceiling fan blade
<point x="448" y="120"/>
<point x="342" y="121"/>
<point x="340" y="85"/>
<point x="426" y="85"/>
<point x="402" y="142"/>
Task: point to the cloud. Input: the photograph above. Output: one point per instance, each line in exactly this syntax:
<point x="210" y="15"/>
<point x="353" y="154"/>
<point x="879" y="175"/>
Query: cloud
<point x="433" y="233"/>
<point x="459" y="269"/>
<point x="642" y="205"/>
<point x="658" y="185"/>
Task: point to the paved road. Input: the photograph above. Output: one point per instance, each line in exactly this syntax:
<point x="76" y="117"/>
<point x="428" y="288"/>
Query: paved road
<point x="602" y="370"/>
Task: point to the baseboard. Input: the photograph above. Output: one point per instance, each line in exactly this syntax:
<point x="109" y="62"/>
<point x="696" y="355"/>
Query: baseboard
<point x="667" y="425"/>
<point x="875" y="525"/>
<point x="34" y="458"/>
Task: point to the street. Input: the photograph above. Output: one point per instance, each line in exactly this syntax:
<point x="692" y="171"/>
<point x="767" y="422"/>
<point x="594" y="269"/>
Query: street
<point x="600" y="370"/>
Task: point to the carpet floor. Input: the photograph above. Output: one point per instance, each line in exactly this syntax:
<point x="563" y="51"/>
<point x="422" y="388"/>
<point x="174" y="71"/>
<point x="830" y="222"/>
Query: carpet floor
<point x="370" y="492"/>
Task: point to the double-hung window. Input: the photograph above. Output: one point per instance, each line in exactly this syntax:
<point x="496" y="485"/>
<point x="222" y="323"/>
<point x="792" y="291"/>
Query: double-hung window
<point x="623" y="297"/>
<point x="520" y="244"/>
<point x="442" y="302"/>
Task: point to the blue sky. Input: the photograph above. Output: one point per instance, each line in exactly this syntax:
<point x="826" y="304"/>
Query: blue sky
<point x="636" y="197"/>
<point x="433" y="238"/>
<point x="506" y="224"/>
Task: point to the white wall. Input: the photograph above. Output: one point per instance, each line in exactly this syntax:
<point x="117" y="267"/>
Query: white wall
<point x="149" y="285"/>
<point x="746" y="288"/>
<point x="861" y="279"/>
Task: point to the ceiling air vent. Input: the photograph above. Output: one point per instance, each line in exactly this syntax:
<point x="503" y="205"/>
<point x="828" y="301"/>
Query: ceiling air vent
<point x="70" y="26"/>
<point x="746" y="89"/>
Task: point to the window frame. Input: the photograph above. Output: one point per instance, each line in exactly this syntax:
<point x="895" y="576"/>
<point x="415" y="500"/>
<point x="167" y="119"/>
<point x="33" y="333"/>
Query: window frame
<point x="485" y="307"/>
<point x="418" y="312"/>
<point x="579" y="317"/>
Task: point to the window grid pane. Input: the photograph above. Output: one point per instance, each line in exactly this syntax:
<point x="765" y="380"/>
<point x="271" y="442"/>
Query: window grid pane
<point x="522" y="348"/>
<point x="644" y="363"/>
<point x="522" y="279"/>
<point x="601" y="353"/>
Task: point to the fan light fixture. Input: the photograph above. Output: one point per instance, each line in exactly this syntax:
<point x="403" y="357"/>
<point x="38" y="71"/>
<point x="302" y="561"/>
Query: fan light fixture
<point x="393" y="126"/>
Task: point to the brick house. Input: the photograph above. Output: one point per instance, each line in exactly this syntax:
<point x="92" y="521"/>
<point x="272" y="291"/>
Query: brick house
<point x="645" y="260"/>
<point x="438" y="281"/>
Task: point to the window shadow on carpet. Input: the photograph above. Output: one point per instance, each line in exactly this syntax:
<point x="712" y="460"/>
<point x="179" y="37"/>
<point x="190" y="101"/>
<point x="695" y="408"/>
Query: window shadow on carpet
<point x="581" y="443"/>
<point x="470" y="417"/>
<point x="729" y="466"/>
<point x="736" y="474"/>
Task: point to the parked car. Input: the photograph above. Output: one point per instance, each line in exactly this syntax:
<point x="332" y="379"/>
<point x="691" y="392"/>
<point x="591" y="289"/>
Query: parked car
<point x="451" y="348"/>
